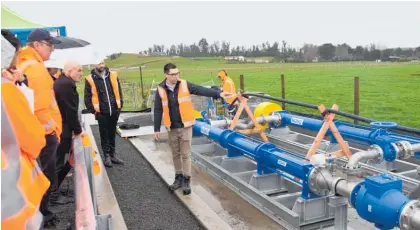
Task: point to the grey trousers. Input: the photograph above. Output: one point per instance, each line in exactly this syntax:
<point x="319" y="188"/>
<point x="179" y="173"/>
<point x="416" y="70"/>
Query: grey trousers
<point x="180" y="143"/>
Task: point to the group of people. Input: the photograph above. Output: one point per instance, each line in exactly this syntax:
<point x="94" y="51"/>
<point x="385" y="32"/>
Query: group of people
<point x="40" y="119"/>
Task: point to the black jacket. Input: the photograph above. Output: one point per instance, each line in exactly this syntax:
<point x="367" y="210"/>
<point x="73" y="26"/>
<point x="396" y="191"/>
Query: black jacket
<point x="107" y="102"/>
<point x="68" y="102"/>
<point x="173" y="104"/>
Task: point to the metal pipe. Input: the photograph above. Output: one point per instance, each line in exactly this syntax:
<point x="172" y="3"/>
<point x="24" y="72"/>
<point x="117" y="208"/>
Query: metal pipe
<point x="344" y="114"/>
<point x="371" y="154"/>
<point x="415" y="147"/>
<point x="344" y="188"/>
<point x="415" y="219"/>
<point x="260" y="120"/>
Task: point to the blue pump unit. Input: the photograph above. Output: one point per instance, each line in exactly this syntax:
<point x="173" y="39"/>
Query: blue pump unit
<point x="269" y="158"/>
<point x="376" y="134"/>
<point x="378" y="199"/>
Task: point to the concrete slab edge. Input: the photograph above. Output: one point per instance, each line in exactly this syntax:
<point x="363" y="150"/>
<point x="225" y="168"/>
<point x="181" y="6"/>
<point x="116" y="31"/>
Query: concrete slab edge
<point x="204" y="214"/>
<point x="106" y="199"/>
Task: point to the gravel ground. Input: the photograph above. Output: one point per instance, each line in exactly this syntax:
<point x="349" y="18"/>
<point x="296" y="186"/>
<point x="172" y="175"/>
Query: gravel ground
<point x="66" y="212"/>
<point x="143" y="197"/>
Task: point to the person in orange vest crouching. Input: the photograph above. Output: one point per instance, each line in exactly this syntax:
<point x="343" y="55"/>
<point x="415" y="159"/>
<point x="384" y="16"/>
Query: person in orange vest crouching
<point x="23" y="137"/>
<point x="228" y="86"/>
<point x="173" y="103"/>
<point x="104" y="98"/>
<point x="30" y="61"/>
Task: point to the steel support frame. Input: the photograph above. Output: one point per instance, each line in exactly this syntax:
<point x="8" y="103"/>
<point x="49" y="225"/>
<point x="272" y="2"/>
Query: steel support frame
<point x="278" y="212"/>
<point x="408" y="183"/>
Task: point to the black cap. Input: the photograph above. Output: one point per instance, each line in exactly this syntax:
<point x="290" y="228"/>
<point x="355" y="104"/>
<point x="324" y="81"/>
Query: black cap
<point x="42" y="35"/>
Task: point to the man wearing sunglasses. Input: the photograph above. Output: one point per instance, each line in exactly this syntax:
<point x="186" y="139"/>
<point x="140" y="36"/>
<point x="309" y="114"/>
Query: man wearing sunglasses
<point x="173" y="103"/>
<point x="30" y="61"/>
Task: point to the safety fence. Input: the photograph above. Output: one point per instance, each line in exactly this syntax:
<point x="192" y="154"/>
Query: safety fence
<point x="86" y="213"/>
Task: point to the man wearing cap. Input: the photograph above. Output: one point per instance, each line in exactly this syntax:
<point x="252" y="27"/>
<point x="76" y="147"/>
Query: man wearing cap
<point x="104" y="98"/>
<point x="30" y="62"/>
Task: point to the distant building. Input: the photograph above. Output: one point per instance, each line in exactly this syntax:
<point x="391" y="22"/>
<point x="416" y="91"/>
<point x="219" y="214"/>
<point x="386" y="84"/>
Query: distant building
<point x="236" y="58"/>
<point x="158" y="54"/>
<point x="257" y="60"/>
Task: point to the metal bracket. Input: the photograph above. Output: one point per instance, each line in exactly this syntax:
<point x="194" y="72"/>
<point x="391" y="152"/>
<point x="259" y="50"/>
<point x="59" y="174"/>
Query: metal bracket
<point x="104" y="222"/>
<point x="339" y="204"/>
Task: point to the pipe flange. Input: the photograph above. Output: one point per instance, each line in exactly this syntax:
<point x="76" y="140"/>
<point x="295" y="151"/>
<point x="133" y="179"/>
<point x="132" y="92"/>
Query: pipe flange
<point x="313" y="182"/>
<point x="356" y="170"/>
<point x="404" y="149"/>
<point x="380" y="157"/>
<point x="276" y="123"/>
<point x="406" y="214"/>
<point x="334" y="184"/>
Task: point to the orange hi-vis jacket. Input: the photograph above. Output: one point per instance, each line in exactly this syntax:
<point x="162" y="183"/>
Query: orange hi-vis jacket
<point x="228" y="86"/>
<point x="23" y="183"/>
<point x="114" y="83"/>
<point x="46" y="109"/>
<point x="185" y="105"/>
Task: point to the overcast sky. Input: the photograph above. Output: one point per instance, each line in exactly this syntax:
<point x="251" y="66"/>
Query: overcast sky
<point x="135" y="26"/>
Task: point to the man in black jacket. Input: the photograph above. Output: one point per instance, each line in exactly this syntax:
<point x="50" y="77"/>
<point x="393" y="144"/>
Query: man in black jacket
<point x="173" y="102"/>
<point x="104" y="98"/>
<point x="68" y="102"/>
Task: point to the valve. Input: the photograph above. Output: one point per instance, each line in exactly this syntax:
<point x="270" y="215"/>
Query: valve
<point x="383" y="124"/>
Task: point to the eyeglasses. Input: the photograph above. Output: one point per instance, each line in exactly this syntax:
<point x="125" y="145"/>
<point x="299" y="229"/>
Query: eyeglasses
<point x="47" y="43"/>
<point x="173" y="74"/>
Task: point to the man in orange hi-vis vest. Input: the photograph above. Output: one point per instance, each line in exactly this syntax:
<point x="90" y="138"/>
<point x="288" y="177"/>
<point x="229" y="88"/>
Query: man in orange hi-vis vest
<point x="23" y="137"/>
<point x="173" y="103"/>
<point x="30" y="61"/>
<point x="104" y="98"/>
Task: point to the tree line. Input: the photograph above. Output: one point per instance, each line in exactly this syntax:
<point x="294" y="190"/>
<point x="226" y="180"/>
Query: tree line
<point x="284" y="52"/>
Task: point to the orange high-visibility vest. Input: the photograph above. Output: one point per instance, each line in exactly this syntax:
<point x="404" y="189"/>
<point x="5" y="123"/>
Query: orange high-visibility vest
<point x="115" y="88"/>
<point x="30" y="63"/>
<point x="228" y="86"/>
<point x="57" y="75"/>
<point x="18" y="211"/>
<point x="185" y="105"/>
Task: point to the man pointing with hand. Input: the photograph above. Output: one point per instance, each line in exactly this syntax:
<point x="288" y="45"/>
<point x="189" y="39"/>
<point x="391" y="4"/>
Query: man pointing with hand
<point x="173" y="103"/>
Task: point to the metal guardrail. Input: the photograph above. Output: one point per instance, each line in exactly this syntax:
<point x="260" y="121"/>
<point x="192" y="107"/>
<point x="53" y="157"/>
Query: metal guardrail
<point x="86" y="215"/>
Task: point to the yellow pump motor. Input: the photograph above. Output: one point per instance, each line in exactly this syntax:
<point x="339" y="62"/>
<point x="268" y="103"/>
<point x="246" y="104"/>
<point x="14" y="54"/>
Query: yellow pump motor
<point x="264" y="109"/>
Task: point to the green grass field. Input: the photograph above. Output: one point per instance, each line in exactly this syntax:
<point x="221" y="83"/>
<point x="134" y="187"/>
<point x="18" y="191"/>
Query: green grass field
<point x="388" y="91"/>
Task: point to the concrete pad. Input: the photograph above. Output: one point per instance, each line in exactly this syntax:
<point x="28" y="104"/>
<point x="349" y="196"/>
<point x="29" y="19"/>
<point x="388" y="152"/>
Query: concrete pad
<point x="230" y="207"/>
<point x="164" y="168"/>
<point x="106" y="200"/>
<point x="90" y="119"/>
<point x="144" y="130"/>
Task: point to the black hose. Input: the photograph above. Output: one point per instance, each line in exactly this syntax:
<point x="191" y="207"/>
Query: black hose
<point x="344" y="114"/>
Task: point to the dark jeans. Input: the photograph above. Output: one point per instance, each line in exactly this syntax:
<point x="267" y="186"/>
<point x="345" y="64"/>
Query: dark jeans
<point x="107" y="128"/>
<point x="63" y="167"/>
<point x="47" y="160"/>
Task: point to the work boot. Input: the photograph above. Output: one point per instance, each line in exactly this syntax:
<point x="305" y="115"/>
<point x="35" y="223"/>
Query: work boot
<point x="186" y="185"/>
<point x="108" y="162"/>
<point x="116" y="160"/>
<point x="177" y="183"/>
